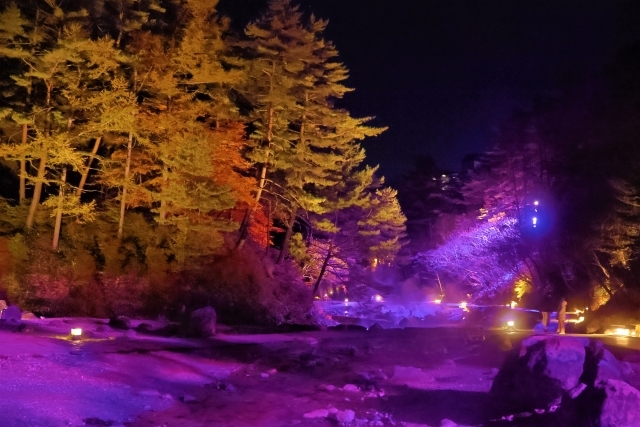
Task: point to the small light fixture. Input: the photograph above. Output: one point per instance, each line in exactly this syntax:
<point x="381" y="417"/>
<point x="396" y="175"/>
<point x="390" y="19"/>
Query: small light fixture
<point x="535" y="203"/>
<point x="511" y="323"/>
<point x="513" y="304"/>
<point x="346" y="300"/>
<point x="76" y="332"/>
<point x="378" y="298"/>
<point x="438" y="301"/>
<point x="463" y="305"/>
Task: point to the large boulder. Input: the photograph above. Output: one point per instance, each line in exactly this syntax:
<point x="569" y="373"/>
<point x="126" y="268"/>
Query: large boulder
<point x="541" y="371"/>
<point x="621" y="404"/>
<point x="574" y="380"/>
<point x="120" y="322"/>
<point x="203" y="323"/>
<point x="11" y="313"/>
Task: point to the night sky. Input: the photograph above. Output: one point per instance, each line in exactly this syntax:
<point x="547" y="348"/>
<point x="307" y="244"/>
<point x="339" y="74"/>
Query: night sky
<point x="443" y="75"/>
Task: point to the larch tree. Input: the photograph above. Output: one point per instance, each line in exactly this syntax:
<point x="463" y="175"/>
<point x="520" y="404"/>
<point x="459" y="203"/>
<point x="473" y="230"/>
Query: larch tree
<point x="181" y="131"/>
<point x="54" y="62"/>
<point x="276" y="46"/>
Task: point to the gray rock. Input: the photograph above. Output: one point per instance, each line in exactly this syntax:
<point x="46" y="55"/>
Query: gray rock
<point x="345" y="416"/>
<point x="541" y="371"/>
<point x="120" y="322"/>
<point x="187" y="398"/>
<point x="447" y="423"/>
<point x="11" y="313"/>
<point x="144" y="327"/>
<point x="203" y="323"/>
<point x="27" y="315"/>
<point x="149" y="392"/>
<point x="318" y="413"/>
<point x="576" y="379"/>
<point x="375" y="327"/>
<point x="620" y="407"/>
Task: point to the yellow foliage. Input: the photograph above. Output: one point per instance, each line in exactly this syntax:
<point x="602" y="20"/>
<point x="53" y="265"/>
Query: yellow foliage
<point x="600" y="297"/>
<point x="522" y="287"/>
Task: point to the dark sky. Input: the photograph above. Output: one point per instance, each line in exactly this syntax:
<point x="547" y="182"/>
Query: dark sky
<point x="443" y="74"/>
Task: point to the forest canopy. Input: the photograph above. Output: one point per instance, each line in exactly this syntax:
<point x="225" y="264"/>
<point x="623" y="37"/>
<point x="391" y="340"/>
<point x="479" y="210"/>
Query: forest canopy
<point x="145" y="148"/>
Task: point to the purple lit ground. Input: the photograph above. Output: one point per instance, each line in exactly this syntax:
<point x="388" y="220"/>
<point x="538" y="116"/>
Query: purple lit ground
<point x="410" y="377"/>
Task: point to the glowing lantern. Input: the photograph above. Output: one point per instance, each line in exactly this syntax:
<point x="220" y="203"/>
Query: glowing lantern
<point x="513" y="304"/>
<point x="378" y="298"/>
<point x="511" y="323"/>
<point x="346" y="300"/>
<point x="76" y="332"/>
<point x="438" y="301"/>
<point x="463" y="305"/>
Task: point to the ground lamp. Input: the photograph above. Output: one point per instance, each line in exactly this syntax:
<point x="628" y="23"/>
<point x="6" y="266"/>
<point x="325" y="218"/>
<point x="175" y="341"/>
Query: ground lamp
<point x="76" y="333"/>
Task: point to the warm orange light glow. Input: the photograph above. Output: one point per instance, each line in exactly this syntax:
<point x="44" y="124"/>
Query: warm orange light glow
<point x="463" y="305"/>
<point x="76" y="332"/>
<point x="438" y="301"/>
<point x="513" y="304"/>
<point x="511" y="323"/>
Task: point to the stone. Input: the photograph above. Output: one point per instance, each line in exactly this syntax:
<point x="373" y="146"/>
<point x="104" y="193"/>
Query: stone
<point x="375" y="327"/>
<point x="327" y="387"/>
<point x="120" y="322"/>
<point x="11" y="313"/>
<point x="345" y="416"/>
<point x="187" y="398"/>
<point x="149" y="392"/>
<point x="130" y="334"/>
<point x="411" y="376"/>
<point x="447" y="423"/>
<point x="351" y="388"/>
<point x="203" y="322"/>
<point x="318" y="413"/>
<point x="577" y="380"/>
<point x="27" y="315"/>
<point x="144" y="327"/>
<point x="621" y="406"/>
<point x="3" y="304"/>
<point x="541" y="371"/>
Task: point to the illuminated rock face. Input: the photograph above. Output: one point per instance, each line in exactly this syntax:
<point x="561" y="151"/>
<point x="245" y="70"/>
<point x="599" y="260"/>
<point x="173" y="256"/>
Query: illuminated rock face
<point x="573" y="380"/>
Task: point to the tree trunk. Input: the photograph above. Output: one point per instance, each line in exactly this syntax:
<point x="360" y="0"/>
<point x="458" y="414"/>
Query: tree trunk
<point x="162" y="214"/>
<point x="323" y="269"/>
<point x="123" y="199"/>
<point x="23" y="166"/>
<point x="244" y="231"/>
<point x="87" y="168"/>
<point x="266" y="250"/>
<point x="37" y="190"/>
<point x="56" y="230"/>
<point x="287" y="237"/>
